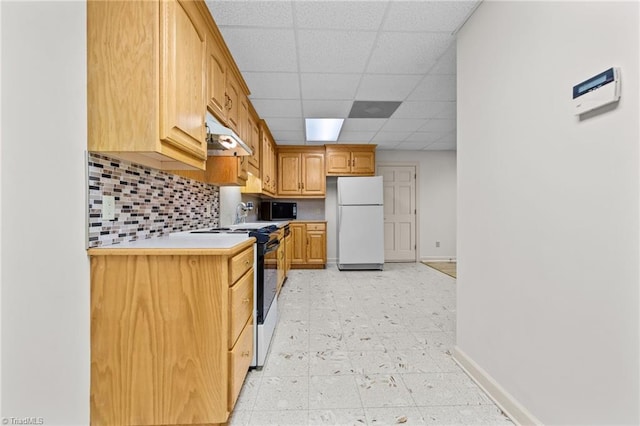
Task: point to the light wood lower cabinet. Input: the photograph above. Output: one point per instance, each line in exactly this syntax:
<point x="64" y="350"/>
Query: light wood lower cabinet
<point x="171" y="334"/>
<point x="309" y="248"/>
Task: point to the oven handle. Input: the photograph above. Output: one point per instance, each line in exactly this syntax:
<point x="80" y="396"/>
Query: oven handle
<point x="271" y="246"/>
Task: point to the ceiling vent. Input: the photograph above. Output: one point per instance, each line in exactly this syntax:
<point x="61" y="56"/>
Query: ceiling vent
<point x="373" y="109"/>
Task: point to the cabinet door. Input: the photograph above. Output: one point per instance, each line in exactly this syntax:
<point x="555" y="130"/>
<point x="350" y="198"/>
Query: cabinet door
<point x="265" y="168"/>
<point x="216" y="79"/>
<point x="289" y="173"/>
<point x="338" y="162"/>
<point x="299" y="246"/>
<point x="288" y="245"/>
<point x="281" y="266"/>
<point x="182" y="77"/>
<point x="312" y="174"/>
<point x="316" y="247"/>
<point x="254" y="142"/>
<point x="234" y="97"/>
<point x="363" y="163"/>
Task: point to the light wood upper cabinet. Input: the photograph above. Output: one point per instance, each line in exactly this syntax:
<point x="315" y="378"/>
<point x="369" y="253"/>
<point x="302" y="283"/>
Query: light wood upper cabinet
<point x="350" y="160"/>
<point x="216" y="79"/>
<point x="253" y="140"/>
<point x="182" y="74"/>
<point x="301" y="171"/>
<point x="146" y="82"/>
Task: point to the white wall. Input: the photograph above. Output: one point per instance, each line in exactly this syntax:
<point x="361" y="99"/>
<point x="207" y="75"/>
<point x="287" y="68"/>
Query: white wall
<point x="548" y="213"/>
<point x="45" y="270"/>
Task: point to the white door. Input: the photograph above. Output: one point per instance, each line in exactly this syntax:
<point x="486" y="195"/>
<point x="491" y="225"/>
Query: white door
<point x="399" y="213"/>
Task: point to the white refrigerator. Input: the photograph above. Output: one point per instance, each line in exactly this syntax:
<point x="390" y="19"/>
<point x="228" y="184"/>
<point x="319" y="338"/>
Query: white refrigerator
<point x="360" y="223"/>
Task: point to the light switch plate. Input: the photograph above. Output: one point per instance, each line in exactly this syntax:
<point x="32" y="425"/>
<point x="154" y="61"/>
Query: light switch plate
<point x="108" y="207"/>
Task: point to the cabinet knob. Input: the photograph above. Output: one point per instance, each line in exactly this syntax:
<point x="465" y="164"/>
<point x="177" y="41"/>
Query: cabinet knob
<point x="247" y="300"/>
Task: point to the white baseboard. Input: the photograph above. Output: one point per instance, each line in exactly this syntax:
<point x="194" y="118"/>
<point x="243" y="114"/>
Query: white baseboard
<point x="507" y="403"/>
<point x="438" y="259"/>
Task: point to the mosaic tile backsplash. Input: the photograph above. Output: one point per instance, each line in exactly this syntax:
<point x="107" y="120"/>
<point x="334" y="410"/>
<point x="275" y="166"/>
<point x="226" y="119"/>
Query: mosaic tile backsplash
<point x="149" y="203"/>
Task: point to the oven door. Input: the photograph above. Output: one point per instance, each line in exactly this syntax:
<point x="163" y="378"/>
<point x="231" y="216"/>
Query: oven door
<point x="269" y="279"/>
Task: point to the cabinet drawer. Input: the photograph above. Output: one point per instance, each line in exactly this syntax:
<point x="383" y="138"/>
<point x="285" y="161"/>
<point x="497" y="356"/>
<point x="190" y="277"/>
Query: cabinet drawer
<point x="239" y="361"/>
<point x="316" y="226"/>
<point x="240" y="305"/>
<point x="239" y="264"/>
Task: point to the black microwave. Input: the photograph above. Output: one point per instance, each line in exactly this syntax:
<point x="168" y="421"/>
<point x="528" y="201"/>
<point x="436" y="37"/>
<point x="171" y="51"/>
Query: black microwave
<point x="277" y="210"/>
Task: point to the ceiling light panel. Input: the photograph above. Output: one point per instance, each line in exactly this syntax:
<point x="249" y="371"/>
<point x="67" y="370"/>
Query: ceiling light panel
<point x="267" y="85"/>
<point x="254" y="13"/>
<point x="408" y="53"/>
<point x="341" y="15"/>
<point x="323" y="129"/>
<point x="334" y="51"/>
<point x="329" y="86"/>
<point x="387" y="87"/>
<point x="443" y="16"/>
<point x="262" y="49"/>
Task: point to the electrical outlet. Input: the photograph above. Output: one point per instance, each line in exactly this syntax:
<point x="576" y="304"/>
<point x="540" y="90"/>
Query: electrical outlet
<point x="108" y="207"/>
<point x="437" y="243"/>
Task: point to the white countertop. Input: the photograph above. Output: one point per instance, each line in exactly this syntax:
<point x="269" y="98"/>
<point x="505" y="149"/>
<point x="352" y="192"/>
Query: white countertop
<point x="179" y="242"/>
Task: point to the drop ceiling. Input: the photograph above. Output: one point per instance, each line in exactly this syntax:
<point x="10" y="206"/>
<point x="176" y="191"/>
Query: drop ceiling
<point x="313" y="59"/>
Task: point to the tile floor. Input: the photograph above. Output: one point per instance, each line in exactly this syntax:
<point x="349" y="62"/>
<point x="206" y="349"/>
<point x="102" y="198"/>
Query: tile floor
<point x="364" y="348"/>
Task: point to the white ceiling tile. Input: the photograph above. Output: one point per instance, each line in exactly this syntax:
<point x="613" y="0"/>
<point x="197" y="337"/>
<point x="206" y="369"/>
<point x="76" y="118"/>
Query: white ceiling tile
<point x="386" y="87"/>
<point x="435" y="88"/>
<point x="287" y="136"/>
<point x="356" y="137"/>
<point x="421" y="109"/>
<point x="268" y="85"/>
<point x="262" y="49"/>
<point x="334" y="51"/>
<point x="407" y="53"/>
<point x="363" y="124"/>
<point x="412" y="146"/>
<point x="386" y="145"/>
<point x="449" y="138"/>
<point x="441" y="147"/>
<point x="277" y="108"/>
<point x="329" y="86"/>
<point x="326" y="109"/>
<point x="292" y="142"/>
<point x="402" y="125"/>
<point x="446" y="64"/>
<point x="444" y="16"/>
<point x="439" y="125"/>
<point x="291" y="124"/>
<point x="255" y="13"/>
<point x="342" y="15"/>
<point x="450" y="111"/>
<point x="426" y="137"/>
<point x="381" y="137"/>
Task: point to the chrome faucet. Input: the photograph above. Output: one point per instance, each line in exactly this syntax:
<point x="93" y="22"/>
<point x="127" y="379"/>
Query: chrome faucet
<point x="241" y="213"/>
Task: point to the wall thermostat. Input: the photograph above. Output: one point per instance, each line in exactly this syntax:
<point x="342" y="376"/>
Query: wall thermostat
<point x="599" y="90"/>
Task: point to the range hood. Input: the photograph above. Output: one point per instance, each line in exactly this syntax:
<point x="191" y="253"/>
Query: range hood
<point x="222" y="141"/>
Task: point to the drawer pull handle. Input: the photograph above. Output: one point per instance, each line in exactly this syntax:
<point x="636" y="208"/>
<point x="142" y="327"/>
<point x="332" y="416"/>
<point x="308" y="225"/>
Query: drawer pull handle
<point x="247" y="300"/>
<point x="245" y="353"/>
